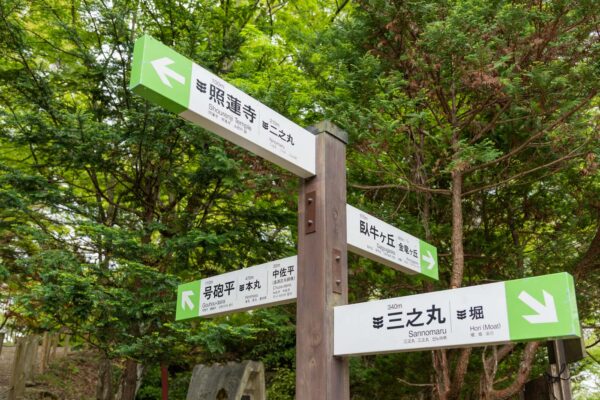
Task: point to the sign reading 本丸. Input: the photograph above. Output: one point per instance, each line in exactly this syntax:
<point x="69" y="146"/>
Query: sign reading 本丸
<point x="372" y="238"/>
<point x="169" y="79"/>
<point x="258" y="286"/>
<point x="520" y="310"/>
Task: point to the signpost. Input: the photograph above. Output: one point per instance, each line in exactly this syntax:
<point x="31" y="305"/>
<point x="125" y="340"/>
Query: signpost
<point x="169" y="79"/>
<point x="258" y="286"/>
<point x="372" y="238"/>
<point x="519" y="310"/>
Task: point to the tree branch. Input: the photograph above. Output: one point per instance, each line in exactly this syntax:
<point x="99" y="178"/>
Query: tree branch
<point x="411" y="188"/>
<point x="522" y="174"/>
<point x="522" y="375"/>
<point x="536" y="135"/>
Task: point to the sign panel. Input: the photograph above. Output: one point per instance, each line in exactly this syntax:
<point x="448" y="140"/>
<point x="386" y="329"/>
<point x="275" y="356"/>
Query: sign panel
<point x="169" y="79"/>
<point x="372" y="238"/>
<point x="524" y="309"/>
<point x="258" y="286"/>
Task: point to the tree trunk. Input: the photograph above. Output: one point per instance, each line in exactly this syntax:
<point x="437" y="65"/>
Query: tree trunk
<point x="31" y="357"/>
<point x="458" y="254"/>
<point x="104" y="387"/>
<point x="442" y="382"/>
<point x="164" y="380"/>
<point x="67" y="343"/>
<point x="16" y="386"/>
<point x="54" y="340"/>
<point x="45" y="352"/>
<point x="128" y="381"/>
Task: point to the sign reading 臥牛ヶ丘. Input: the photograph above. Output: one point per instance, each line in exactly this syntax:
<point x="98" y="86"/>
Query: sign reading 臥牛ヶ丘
<point x="169" y="79"/>
<point x="520" y="310"/>
<point x="258" y="286"/>
<point x="382" y="242"/>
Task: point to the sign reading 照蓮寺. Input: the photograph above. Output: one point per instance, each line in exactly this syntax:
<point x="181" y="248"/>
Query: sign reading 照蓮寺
<point x="520" y="310"/>
<point x="169" y="79"/>
<point x="382" y="242"/>
<point x="258" y="286"/>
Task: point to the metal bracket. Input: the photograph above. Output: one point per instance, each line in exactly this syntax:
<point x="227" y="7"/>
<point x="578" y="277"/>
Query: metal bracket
<point x="337" y="271"/>
<point x="310" y="201"/>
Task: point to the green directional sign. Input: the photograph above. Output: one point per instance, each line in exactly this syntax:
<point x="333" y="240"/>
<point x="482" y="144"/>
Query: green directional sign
<point x="169" y="79"/>
<point x="188" y="300"/>
<point x="161" y="75"/>
<point x="429" y="263"/>
<point x="542" y="307"/>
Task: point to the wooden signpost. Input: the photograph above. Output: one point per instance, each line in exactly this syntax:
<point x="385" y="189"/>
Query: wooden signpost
<point x="327" y="229"/>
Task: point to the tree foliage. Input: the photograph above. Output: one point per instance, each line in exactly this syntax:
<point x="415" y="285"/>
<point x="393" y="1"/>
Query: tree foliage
<point x="473" y="124"/>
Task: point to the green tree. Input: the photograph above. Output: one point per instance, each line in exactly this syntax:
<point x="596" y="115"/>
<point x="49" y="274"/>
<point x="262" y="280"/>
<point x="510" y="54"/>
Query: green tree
<point x="467" y="118"/>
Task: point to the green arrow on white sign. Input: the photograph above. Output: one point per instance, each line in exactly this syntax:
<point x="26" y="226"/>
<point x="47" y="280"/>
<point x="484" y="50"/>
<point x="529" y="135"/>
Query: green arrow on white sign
<point x="171" y="80"/>
<point x="542" y="307"/>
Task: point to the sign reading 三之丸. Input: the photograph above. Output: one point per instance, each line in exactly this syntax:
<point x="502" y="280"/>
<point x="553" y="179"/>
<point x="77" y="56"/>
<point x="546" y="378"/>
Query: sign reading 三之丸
<point x="258" y="286"/>
<point x="520" y="310"/>
<point x="372" y="238"/>
<point x="169" y="79"/>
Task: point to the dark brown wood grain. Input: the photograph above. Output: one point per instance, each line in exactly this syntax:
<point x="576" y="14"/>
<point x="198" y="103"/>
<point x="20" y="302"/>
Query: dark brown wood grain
<point x="320" y="375"/>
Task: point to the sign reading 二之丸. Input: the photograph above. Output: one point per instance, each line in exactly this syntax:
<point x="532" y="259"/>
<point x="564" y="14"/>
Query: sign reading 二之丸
<point x="258" y="286"/>
<point x="169" y="79"/>
<point x="520" y="310"/>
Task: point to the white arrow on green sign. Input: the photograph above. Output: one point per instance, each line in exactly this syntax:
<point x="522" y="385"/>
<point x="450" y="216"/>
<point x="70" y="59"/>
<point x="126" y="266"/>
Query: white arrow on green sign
<point x="542" y="307"/>
<point x="171" y="80"/>
<point x="372" y="238"/>
<point x="258" y="286"/>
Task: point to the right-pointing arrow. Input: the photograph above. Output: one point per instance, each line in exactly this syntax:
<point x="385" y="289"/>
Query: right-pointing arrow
<point x="186" y="301"/>
<point x="545" y="312"/>
<point x="428" y="259"/>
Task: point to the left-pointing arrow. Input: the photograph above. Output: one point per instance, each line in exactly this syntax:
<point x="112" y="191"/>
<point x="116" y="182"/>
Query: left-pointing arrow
<point x="186" y="301"/>
<point x="161" y="66"/>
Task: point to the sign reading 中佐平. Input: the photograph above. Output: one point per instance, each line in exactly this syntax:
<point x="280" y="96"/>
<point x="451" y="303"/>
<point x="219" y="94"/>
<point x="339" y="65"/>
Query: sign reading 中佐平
<point x="169" y="79"/>
<point x="382" y="242"/>
<point x="520" y="310"/>
<point x="258" y="286"/>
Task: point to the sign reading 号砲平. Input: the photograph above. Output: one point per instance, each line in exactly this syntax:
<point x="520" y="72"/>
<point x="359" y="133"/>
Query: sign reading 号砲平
<point x="169" y="79"/>
<point x="524" y="309"/>
<point x="258" y="286"/>
<point x="372" y="238"/>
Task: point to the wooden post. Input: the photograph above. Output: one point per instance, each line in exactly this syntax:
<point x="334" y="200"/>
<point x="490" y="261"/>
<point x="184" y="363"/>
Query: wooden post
<point x="322" y="270"/>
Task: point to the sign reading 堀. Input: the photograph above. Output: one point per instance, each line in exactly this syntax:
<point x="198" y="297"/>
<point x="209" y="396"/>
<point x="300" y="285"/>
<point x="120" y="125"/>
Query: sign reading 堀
<point x="372" y="238"/>
<point x="520" y="310"/>
<point x="258" y="286"/>
<point x="169" y="79"/>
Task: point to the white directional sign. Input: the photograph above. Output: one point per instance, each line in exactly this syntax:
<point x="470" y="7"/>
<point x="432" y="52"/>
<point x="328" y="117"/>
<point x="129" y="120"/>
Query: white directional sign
<point x="258" y="286"/>
<point x="520" y="310"/>
<point x="171" y="80"/>
<point x="372" y="238"/>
